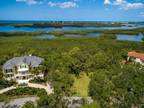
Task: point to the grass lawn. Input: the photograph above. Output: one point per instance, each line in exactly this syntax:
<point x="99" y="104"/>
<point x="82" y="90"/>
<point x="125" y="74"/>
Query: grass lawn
<point x="92" y="105"/>
<point x="81" y="85"/>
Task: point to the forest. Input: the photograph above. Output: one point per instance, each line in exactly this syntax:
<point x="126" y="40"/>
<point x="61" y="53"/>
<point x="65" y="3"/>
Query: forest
<point x="109" y="81"/>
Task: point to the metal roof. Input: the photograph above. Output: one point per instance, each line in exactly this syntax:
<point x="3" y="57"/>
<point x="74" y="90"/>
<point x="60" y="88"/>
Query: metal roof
<point x="29" y="60"/>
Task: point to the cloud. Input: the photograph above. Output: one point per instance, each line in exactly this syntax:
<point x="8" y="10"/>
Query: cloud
<point x="52" y="4"/>
<point x="107" y="2"/>
<point x="125" y="5"/>
<point x="119" y="2"/>
<point x="133" y="6"/>
<point x="122" y="4"/>
<point x="68" y="4"/>
<point x="30" y="2"/>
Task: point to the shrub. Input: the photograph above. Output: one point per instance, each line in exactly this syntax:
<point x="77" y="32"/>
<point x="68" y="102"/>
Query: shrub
<point x="21" y="91"/>
<point x="5" y="83"/>
<point x="38" y="80"/>
<point x="29" y="105"/>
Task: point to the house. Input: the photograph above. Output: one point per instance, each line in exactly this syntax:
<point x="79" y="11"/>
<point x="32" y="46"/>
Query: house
<point x="19" y="68"/>
<point x="136" y="57"/>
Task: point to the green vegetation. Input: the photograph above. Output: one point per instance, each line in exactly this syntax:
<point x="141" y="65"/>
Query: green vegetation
<point x="29" y="105"/>
<point x="19" y="34"/>
<point x="118" y="87"/>
<point x="112" y="84"/>
<point x="108" y="36"/>
<point x="93" y="105"/>
<point x="38" y="81"/>
<point x="5" y="83"/>
<point x="63" y="24"/>
<point x="61" y="81"/>
<point x="106" y="33"/>
<point x="134" y="31"/>
<point x="143" y="39"/>
<point x="52" y="101"/>
<point x="22" y="91"/>
<point x="80" y="85"/>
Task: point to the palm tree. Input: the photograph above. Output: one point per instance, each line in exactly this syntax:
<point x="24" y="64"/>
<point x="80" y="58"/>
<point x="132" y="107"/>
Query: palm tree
<point x="16" y="69"/>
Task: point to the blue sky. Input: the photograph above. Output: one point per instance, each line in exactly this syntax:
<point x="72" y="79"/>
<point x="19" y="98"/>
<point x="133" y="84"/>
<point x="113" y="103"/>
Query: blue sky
<point x="72" y="10"/>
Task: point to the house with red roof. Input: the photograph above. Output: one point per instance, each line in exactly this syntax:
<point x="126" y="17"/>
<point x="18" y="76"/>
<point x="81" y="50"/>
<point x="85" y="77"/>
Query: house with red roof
<point x="136" y="57"/>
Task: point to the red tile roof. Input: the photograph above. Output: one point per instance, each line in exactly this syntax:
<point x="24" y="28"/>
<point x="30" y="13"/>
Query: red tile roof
<point x="137" y="55"/>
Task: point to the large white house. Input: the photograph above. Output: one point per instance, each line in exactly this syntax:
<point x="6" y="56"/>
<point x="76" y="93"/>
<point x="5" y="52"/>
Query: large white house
<point x="18" y="68"/>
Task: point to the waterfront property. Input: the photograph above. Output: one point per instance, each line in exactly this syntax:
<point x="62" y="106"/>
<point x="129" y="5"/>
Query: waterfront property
<point x="136" y="57"/>
<point x="19" y="68"/>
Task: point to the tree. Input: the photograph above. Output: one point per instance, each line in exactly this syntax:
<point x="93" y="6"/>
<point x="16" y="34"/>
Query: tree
<point x="142" y="38"/>
<point x="61" y="81"/>
<point x="81" y="61"/>
<point x="52" y="101"/>
<point x="100" y="87"/>
<point x="1" y="74"/>
<point x="129" y="86"/>
<point x="100" y="60"/>
<point x="4" y="83"/>
<point x="29" y="104"/>
<point x="120" y="87"/>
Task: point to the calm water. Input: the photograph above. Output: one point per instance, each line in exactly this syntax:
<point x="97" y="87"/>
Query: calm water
<point x="73" y="35"/>
<point x="93" y="34"/>
<point x="137" y="38"/>
<point x="126" y="25"/>
<point x="123" y="37"/>
<point x="31" y="29"/>
<point x="45" y="37"/>
<point x="89" y="35"/>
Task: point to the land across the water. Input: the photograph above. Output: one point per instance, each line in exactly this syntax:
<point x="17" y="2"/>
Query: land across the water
<point x="135" y="34"/>
<point x="11" y="26"/>
<point x="133" y="31"/>
<point x="59" y="24"/>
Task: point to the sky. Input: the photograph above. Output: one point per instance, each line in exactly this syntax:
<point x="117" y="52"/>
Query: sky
<point x="72" y="10"/>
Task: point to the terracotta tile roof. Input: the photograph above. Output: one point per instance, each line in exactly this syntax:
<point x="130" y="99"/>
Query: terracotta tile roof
<point x="137" y="55"/>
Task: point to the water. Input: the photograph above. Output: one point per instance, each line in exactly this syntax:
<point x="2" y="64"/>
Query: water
<point x="137" y="38"/>
<point x="126" y="25"/>
<point x="32" y="29"/>
<point x="73" y="35"/>
<point x="25" y="29"/>
<point x="89" y="35"/>
<point x="94" y="34"/>
<point x="45" y="37"/>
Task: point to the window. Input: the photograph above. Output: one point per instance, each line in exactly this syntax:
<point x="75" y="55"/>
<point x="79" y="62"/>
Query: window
<point x="8" y="70"/>
<point x="9" y="75"/>
<point x="24" y="72"/>
<point x="23" y="66"/>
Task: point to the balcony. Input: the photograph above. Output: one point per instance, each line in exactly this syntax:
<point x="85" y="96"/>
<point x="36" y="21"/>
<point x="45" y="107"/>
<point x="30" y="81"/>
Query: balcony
<point x="23" y="73"/>
<point x="22" y="69"/>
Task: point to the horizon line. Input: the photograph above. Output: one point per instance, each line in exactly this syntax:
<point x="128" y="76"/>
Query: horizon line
<point x="74" y="20"/>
